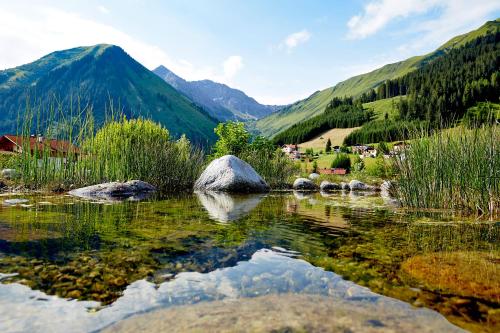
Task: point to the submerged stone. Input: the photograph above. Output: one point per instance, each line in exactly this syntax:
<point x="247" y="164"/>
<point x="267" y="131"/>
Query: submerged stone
<point x="134" y="189"/>
<point x="13" y="202"/>
<point x="231" y="174"/>
<point x="304" y="184"/>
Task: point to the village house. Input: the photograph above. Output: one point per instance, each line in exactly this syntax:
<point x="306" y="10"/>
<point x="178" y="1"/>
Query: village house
<point x="358" y="149"/>
<point x="336" y="149"/>
<point x="333" y="171"/>
<point x="54" y="148"/>
<point x="292" y="151"/>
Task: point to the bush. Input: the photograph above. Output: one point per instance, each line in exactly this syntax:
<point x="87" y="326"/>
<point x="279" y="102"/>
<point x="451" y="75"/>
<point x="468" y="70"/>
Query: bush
<point x="141" y="149"/>
<point x="269" y="162"/>
<point x="341" y="161"/>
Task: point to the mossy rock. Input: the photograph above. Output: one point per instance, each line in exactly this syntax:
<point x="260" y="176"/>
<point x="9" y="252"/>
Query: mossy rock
<point x="470" y="274"/>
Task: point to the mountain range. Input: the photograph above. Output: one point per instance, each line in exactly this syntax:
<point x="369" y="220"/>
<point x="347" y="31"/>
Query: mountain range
<point x="355" y="86"/>
<point x="98" y="75"/>
<point x="219" y="100"/>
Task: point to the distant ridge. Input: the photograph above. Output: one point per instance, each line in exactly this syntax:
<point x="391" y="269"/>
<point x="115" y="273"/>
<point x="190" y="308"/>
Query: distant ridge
<point x="222" y="102"/>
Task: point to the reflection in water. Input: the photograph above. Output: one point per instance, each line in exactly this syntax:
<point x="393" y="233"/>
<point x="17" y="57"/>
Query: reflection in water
<point x="225" y="207"/>
<point x="267" y="272"/>
<point x="97" y="252"/>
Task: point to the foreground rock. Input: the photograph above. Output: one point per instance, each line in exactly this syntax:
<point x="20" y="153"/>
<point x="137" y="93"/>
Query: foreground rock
<point x="327" y="186"/>
<point x="345" y="186"/>
<point x="283" y="313"/>
<point x="133" y="190"/>
<point x="230" y="174"/>
<point x="356" y="185"/>
<point x="304" y="184"/>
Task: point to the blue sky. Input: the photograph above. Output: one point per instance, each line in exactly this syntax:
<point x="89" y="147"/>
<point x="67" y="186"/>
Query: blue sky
<point x="276" y="51"/>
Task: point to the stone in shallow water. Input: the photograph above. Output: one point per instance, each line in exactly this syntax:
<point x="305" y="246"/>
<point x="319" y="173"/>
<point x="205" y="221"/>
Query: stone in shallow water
<point x="304" y="184"/>
<point x="134" y="189"/>
<point x="231" y="174"/>
<point x="13" y="202"/>
<point x="327" y="186"/>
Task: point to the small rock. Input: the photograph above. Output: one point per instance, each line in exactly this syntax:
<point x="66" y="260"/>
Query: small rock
<point x="345" y="186"/>
<point x="304" y="184"/>
<point x="313" y="176"/>
<point x="327" y="186"/>
<point x="9" y="173"/>
<point x="13" y="202"/>
<point x="356" y="185"/>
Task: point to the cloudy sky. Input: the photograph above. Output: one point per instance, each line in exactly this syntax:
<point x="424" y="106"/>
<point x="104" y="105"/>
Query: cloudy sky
<point x="276" y="51"/>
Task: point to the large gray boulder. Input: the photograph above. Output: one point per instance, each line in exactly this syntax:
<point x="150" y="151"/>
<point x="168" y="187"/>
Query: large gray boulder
<point x="304" y="184"/>
<point x="230" y="174"/>
<point x="133" y="190"/>
<point x="327" y="186"/>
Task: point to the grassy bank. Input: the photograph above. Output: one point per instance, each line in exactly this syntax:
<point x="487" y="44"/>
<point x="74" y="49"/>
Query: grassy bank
<point x="456" y="169"/>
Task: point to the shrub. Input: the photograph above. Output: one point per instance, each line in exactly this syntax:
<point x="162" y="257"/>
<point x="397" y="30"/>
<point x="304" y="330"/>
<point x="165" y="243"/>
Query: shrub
<point x="341" y="161"/>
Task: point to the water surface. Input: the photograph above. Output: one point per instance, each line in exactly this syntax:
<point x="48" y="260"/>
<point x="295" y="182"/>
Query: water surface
<point x="120" y="259"/>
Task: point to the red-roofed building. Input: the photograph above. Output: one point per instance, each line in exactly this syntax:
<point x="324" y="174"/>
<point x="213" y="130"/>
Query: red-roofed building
<point x="333" y="171"/>
<point x="57" y="148"/>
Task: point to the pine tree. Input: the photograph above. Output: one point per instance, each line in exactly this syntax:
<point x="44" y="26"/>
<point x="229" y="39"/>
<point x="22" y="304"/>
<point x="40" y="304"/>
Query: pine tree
<point x="328" y="147"/>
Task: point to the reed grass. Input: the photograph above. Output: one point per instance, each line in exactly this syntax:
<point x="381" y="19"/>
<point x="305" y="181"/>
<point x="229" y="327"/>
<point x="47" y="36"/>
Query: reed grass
<point x="455" y="169"/>
<point x="120" y="150"/>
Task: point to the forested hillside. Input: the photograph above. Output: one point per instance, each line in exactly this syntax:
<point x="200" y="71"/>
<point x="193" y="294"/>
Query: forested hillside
<point x="339" y="113"/>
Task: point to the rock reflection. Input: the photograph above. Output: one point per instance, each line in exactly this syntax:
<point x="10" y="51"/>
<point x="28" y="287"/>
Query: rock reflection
<point x="224" y="207"/>
<point x="266" y="273"/>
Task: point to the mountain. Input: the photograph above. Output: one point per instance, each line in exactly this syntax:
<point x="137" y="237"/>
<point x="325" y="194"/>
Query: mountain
<point x="221" y="101"/>
<point x="355" y="86"/>
<point x="97" y="75"/>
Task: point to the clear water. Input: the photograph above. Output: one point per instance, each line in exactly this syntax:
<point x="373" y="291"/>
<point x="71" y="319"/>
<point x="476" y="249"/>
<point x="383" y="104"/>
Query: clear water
<point x="121" y="259"/>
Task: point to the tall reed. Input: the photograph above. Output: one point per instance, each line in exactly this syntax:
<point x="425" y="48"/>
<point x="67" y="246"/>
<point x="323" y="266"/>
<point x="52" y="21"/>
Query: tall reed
<point x="120" y="150"/>
<point x="453" y="169"/>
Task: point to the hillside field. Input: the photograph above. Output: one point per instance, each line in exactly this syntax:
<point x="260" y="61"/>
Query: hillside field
<point x="336" y="136"/>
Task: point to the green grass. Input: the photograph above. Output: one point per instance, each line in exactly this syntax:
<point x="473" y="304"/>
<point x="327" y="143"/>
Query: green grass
<point x="456" y="169"/>
<point x="121" y="150"/>
<point x="383" y="106"/>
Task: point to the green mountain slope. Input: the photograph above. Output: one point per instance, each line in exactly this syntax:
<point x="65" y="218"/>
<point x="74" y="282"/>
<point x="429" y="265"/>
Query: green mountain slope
<point x="97" y="74"/>
<point x="316" y="103"/>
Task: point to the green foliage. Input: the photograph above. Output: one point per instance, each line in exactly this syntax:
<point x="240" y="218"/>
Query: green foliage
<point x="341" y="161"/>
<point x="121" y="150"/>
<point x="315" y="167"/>
<point x="379" y="130"/>
<point x="233" y="139"/>
<point x="269" y="161"/>
<point x="336" y="115"/>
<point x="7" y="161"/>
<point x="482" y="113"/>
<point x="383" y="148"/>
<point x="142" y="149"/>
<point x="358" y="165"/>
<point x="328" y="147"/>
<point x="454" y="169"/>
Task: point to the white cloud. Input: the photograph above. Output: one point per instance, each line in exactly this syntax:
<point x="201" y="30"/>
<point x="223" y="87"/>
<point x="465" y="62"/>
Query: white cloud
<point x="295" y="39"/>
<point x="103" y="9"/>
<point x="28" y="35"/>
<point x="232" y="66"/>
<point x="454" y="16"/>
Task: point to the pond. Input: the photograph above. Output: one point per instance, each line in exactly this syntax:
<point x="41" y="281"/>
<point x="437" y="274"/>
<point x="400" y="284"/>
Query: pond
<point x="276" y="262"/>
